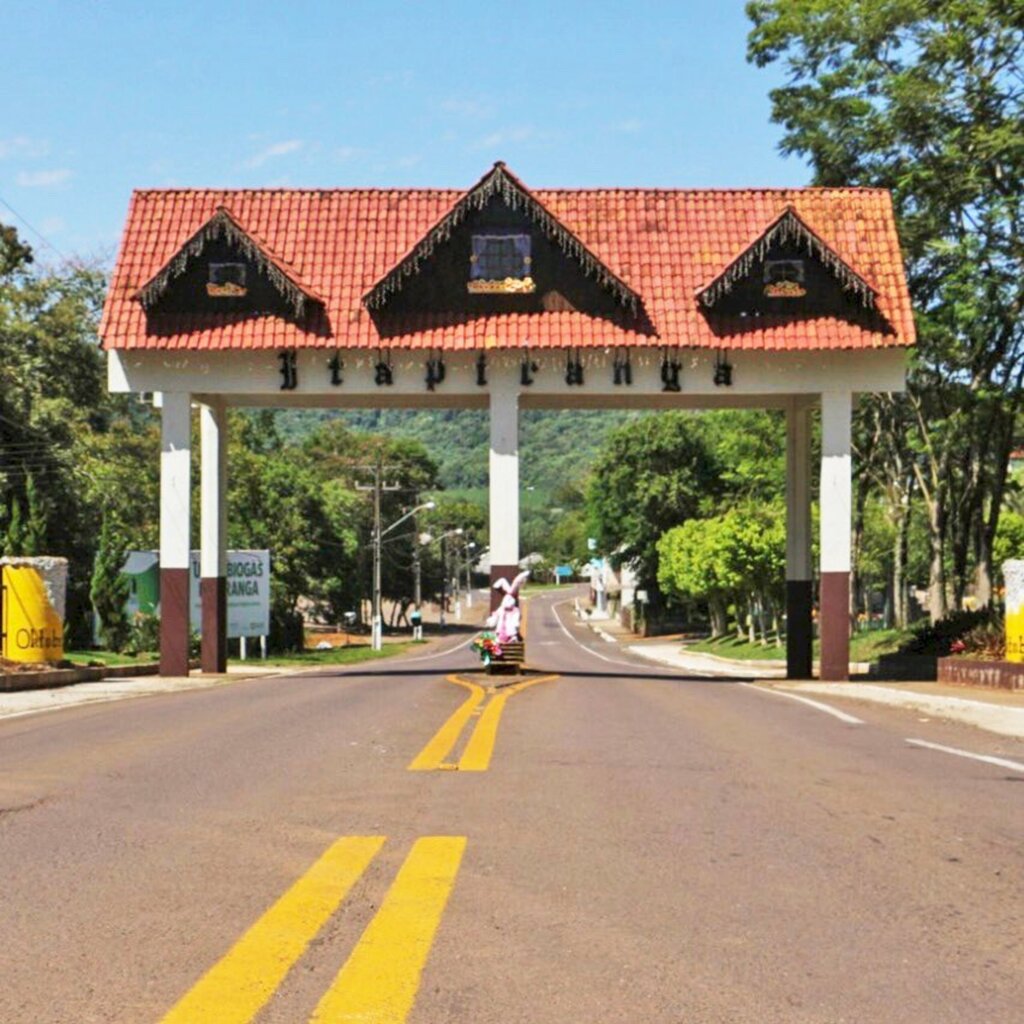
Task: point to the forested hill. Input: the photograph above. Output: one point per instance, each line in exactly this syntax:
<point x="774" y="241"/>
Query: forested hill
<point x="556" y="447"/>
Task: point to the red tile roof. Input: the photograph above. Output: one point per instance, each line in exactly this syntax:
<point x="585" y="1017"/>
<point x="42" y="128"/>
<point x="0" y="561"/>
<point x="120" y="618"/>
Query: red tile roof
<point x="666" y="245"/>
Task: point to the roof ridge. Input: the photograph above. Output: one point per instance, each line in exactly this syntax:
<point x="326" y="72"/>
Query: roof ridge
<point x="439" y="190"/>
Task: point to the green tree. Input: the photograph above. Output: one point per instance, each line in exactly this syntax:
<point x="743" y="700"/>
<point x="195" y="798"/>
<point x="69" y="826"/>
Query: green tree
<point x="735" y="558"/>
<point x="52" y="400"/>
<point x="1010" y="538"/>
<point x="924" y="97"/>
<point x="651" y="475"/>
<point x="108" y="588"/>
<point x="693" y="565"/>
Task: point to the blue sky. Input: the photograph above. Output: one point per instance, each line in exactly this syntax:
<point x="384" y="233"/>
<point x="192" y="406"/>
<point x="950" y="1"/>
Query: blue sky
<point x="100" y="98"/>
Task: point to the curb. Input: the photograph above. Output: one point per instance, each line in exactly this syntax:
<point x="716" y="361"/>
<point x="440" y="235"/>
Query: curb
<point x="15" y="682"/>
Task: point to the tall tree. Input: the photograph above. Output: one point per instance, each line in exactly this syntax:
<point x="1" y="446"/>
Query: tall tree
<point x="52" y="399"/>
<point x="652" y="474"/>
<point x="924" y="97"/>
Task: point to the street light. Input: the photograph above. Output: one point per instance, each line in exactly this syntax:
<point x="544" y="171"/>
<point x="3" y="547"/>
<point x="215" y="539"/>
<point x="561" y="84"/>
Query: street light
<point x="377" y="626"/>
<point x="427" y="539"/>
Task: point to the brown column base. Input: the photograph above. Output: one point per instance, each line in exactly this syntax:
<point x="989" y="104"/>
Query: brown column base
<point x="834" y="626"/>
<point x="799" y="631"/>
<point x="213" y="592"/>
<point x="174" y="632"/>
<point x="508" y="572"/>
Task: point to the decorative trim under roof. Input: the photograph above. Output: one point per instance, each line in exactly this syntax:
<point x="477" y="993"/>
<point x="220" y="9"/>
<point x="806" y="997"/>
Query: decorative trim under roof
<point x="499" y="181"/>
<point x="787" y="227"/>
<point x="222" y="225"/>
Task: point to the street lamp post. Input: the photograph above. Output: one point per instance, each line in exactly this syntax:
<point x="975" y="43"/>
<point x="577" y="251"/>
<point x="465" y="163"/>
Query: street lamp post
<point x="444" y="570"/>
<point x="377" y="627"/>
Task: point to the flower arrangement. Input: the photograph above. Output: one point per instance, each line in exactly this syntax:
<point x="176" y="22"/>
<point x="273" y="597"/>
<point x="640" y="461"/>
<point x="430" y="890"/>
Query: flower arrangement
<point x="487" y="646"/>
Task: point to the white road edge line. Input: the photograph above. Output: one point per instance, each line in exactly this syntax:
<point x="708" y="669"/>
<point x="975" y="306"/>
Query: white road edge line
<point x="999" y="762"/>
<point x="835" y="712"/>
<point x="613" y="661"/>
<point x="440" y="654"/>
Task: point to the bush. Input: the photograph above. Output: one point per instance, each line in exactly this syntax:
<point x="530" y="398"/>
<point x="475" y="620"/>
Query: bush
<point x="939" y="637"/>
<point x="143" y="634"/>
<point x="287" y="630"/>
<point x="987" y="641"/>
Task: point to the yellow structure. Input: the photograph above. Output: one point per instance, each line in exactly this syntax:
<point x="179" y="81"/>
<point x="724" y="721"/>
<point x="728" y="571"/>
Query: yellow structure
<point x="1013" y="574"/>
<point x="33" y="607"/>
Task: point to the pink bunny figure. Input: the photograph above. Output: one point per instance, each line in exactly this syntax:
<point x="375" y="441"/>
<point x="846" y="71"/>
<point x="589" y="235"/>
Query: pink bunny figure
<point x="505" y="621"/>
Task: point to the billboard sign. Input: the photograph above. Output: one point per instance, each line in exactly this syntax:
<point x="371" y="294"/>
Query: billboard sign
<point x="248" y="586"/>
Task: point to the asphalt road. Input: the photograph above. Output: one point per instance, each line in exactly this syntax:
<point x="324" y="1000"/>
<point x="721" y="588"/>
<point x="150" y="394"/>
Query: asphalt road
<point x="612" y="844"/>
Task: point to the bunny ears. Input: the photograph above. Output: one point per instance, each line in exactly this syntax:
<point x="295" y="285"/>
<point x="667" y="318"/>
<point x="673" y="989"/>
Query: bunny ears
<point x="513" y="587"/>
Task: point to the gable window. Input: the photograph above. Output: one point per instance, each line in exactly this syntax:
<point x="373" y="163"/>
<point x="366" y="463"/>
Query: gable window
<point x="784" y="279"/>
<point x="500" y="264"/>
<point x="226" y="280"/>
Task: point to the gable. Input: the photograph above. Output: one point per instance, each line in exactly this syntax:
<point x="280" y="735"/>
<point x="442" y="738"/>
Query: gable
<point x="788" y="281"/>
<point x="449" y="281"/>
<point x="499" y="196"/>
<point x="749" y="283"/>
<point x="198" y="278"/>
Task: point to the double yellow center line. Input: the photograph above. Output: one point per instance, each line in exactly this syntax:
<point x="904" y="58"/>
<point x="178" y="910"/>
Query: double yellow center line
<point x="378" y="982"/>
<point x="476" y="757"/>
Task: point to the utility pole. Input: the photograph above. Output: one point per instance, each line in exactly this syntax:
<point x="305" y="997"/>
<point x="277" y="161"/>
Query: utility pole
<point x="377" y="619"/>
<point x="377" y="626"/>
<point x="444" y="579"/>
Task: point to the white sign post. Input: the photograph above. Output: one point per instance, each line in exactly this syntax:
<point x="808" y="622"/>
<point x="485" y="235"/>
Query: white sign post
<point x="248" y="586"/>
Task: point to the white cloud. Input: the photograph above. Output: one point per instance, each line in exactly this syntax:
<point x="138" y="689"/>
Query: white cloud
<point x="42" y="179"/>
<point x="24" y="147"/>
<point x="275" y="150"/>
<point x="505" y="136"/>
<point x="630" y="125"/>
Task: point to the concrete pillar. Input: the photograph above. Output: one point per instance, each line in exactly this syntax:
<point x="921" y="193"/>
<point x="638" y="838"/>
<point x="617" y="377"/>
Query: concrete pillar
<point x="213" y="558"/>
<point x="836" y="511"/>
<point x="175" y="483"/>
<point x="799" y="586"/>
<point x="504" y="474"/>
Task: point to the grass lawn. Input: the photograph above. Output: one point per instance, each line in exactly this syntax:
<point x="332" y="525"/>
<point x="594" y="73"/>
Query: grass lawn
<point x="866" y="646"/>
<point x="350" y="655"/>
<point x="740" y="650"/>
<point x="109" y="658"/>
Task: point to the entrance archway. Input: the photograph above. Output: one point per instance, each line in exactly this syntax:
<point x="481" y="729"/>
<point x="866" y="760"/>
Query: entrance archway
<point x="500" y="298"/>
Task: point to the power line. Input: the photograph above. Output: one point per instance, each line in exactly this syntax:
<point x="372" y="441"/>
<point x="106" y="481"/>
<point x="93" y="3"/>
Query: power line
<point x="35" y="231"/>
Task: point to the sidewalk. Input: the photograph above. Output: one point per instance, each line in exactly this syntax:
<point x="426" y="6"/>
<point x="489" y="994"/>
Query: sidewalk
<point x="31" y="702"/>
<point x="1000" y="711"/>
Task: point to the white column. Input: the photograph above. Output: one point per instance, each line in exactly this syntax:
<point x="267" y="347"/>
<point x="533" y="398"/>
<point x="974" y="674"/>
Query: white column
<point x="836" y="481"/>
<point x="213" y="536"/>
<point x="836" y="521"/>
<point x="799" y="586"/>
<point x="504" y="469"/>
<point x="213" y="526"/>
<point x="175" y="484"/>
